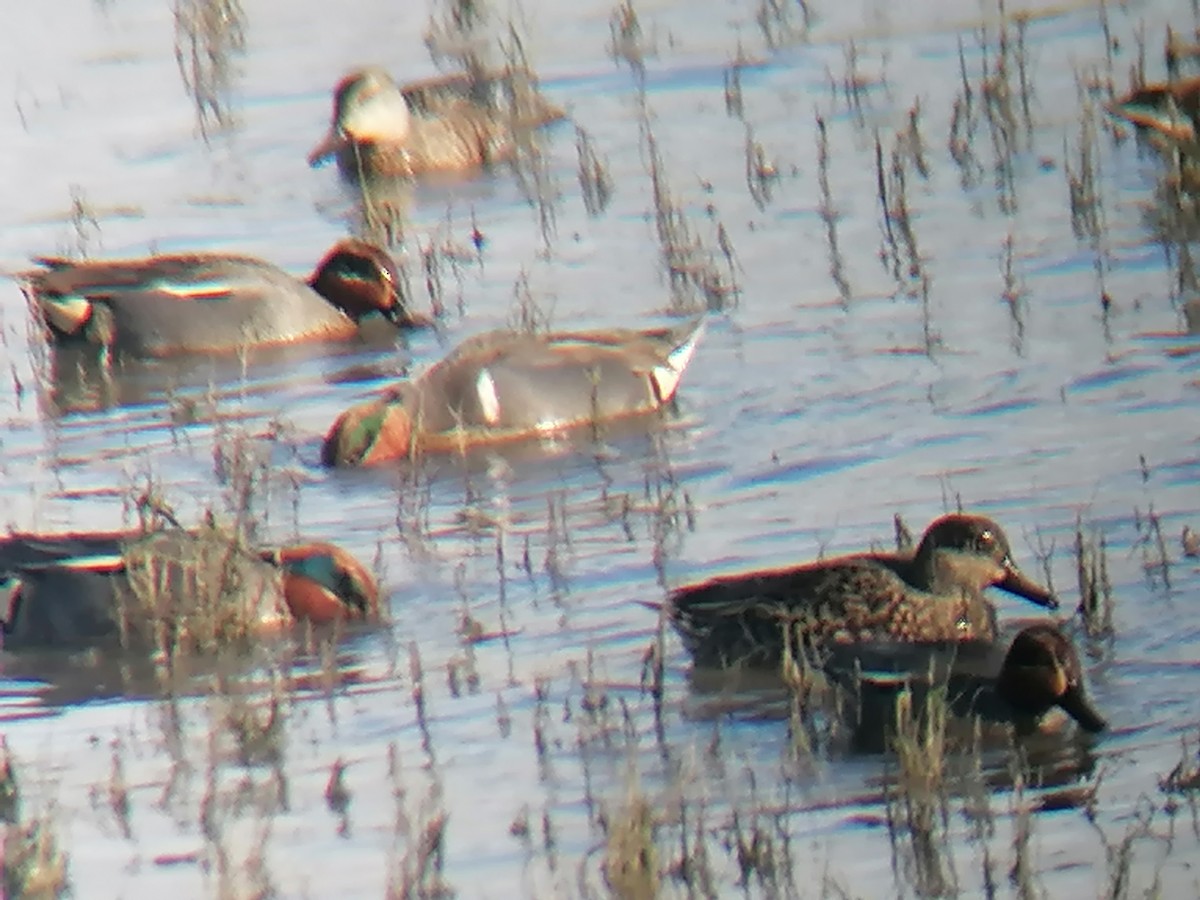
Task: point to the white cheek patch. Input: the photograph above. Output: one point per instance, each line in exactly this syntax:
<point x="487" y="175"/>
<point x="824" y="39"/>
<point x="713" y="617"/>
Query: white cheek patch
<point x="67" y="312"/>
<point x="489" y="401"/>
<point x="384" y="116"/>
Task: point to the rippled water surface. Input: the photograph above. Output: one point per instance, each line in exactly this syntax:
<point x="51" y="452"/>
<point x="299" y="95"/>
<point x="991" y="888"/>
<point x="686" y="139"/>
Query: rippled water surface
<point x="839" y="389"/>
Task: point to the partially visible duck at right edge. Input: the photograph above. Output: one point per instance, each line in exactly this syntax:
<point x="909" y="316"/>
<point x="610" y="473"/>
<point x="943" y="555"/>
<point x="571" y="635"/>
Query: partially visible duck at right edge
<point x="1168" y="109"/>
<point x="449" y="123"/>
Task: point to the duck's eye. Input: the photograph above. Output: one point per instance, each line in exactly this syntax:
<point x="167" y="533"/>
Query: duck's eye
<point x="985" y="541"/>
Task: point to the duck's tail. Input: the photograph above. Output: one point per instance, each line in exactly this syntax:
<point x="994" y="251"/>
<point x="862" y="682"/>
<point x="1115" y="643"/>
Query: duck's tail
<point x="684" y="339"/>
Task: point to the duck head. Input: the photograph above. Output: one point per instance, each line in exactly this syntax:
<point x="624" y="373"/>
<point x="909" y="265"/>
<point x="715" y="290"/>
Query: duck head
<point x="360" y="278"/>
<point x="972" y="552"/>
<point x="1041" y="671"/>
<point x="323" y="583"/>
<point x="372" y="432"/>
<point x="368" y="108"/>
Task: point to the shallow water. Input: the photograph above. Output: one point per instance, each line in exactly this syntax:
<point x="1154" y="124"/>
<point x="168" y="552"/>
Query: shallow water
<point x="813" y="412"/>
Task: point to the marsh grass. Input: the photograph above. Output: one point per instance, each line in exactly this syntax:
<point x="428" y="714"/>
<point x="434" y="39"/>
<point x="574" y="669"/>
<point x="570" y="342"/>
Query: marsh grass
<point x="194" y="595"/>
<point x="208" y="35"/>
<point x="917" y="802"/>
<point x="338" y="796"/>
<point x="529" y="313"/>
<point x="697" y="283"/>
<point x="1181" y="51"/>
<point x="118" y="791"/>
<point x="1013" y="294"/>
<point x="34" y="868"/>
<point x="529" y="164"/>
<point x="1096" y="602"/>
<point x="85" y="224"/>
<point x="462" y="32"/>
<point x="627" y="41"/>
<point x="418" y="867"/>
<point x="431" y="266"/>
<point x="630" y="865"/>
<point x="1082" y="174"/>
<point x="204" y="590"/>
<point x="595" y="183"/>
<point x="1185" y="775"/>
<point x="253" y="721"/>
<point x="997" y="101"/>
<point x="852" y="85"/>
<point x="782" y="22"/>
<point x="245" y="781"/>
<point x="829" y="216"/>
<point x="32" y="864"/>
<point x="1156" y="560"/>
<point x="1043" y="553"/>
<point x="900" y="249"/>
<point x="761" y="173"/>
<point x="477" y="39"/>
<point x="383" y="215"/>
<point x="734" y="100"/>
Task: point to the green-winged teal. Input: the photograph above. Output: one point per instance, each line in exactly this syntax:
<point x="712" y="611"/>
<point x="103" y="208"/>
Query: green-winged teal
<point x="1169" y="109"/>
<point x="1025" y="683"/>
<point x="933" y="594"/>
<point x="505" y="386"/>
<point x="214" y="303"/>
<point x="71" y="590"/>
<point x="450" y="123"/>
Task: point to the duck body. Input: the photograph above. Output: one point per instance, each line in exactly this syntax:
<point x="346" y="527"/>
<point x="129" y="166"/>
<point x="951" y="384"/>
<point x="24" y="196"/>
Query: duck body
<point x="1031" y="682"/>
<point x="505" y="386"/>
<point x="450" y="123"/>
<point x="933" y="594"/>
<point x="160" y="306"/>
<point x="1170" y="109"/>
<point x="170" y="587"/>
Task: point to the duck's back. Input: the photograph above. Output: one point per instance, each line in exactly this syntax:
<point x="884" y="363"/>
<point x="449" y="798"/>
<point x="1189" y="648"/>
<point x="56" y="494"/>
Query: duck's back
<point x="522" y="382"/>
<point x="45" y="603"/>
<point x="507" y="94"/>
<point x="462" y="121"/>
<point x="124" y="587"/>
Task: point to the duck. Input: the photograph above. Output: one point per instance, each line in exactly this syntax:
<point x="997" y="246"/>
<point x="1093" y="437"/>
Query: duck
<point x="162" y="306"/>
<point x="1169" y="109"/>
<point x="1030" y="683"/>
<point x="932" y="594"/>
<point x="504" y="386"/>
<point x="449" y="123"/>
<point x="197" y="588"/>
